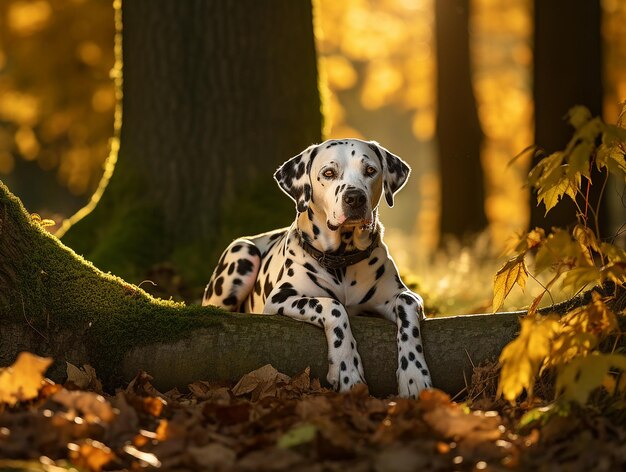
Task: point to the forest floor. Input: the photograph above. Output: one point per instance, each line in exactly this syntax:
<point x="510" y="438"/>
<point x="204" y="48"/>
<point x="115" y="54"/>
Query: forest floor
<point x="268" y="421"/>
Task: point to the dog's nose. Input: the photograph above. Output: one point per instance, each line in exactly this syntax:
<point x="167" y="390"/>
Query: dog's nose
<point x="354" y="198"/>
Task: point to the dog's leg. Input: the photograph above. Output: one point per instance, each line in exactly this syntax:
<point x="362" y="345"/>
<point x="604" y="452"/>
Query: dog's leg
<point x="412" y="373"/>
<point x="344" y="363"/>
<point x="234" y="277"/>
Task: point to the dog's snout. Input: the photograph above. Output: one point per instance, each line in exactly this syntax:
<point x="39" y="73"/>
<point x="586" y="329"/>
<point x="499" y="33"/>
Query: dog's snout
<point x="354" y="198"/>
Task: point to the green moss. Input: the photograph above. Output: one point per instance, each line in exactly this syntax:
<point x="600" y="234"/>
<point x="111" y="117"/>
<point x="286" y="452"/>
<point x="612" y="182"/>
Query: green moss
<point x="57" y="289"/>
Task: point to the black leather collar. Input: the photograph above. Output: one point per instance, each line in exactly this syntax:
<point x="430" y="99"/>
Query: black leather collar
<point x="333" y="261"/>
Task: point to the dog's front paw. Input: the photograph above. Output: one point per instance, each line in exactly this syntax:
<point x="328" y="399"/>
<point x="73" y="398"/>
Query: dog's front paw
<point x="344" y="374"/>
<point x="412" y="378"/>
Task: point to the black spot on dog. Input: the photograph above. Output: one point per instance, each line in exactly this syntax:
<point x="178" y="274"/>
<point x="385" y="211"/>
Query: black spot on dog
<point x="356" y="362"/>
<point x="302" y="302"/>
<point x="237" y="281"/>
<point x="310" y="267"/>
<point x="275" y="236"/>
<point x="319" y="308"/>
<point x="404" y="363"/>
<point x="267" y="287"/>
<point x="403" y="317"/>
<point x="424" y="371"/>
<point x="346" y="380"/>
<point x="313" y="302"/>
<point x="219" y="282"/>
<point x="254" y="251"/>
<point x="342" y="366"/>
<point x="281" y="310"/>
<point x="338" y="332"/>
<point x="411" y="356"/>
<point x="411" y="381"/>
<point x="244" y="266"/>
<point x="257" y="287"/>
<point x="404" y="338"/>
<point x="316" y="230"/>
<point x="370" y="293"/>
<point x="353" y="283"/>
<point x="230" y="300"/>
<point x="235" y="248"/>
<point x="416" y="332"/>
<point x="407" y="299"/>
<point x="267" y="264"/>
<point x="336" y="313"/>
<point x="285" y="291"/>
<point x="231" y="268"/>
<point x="418" y="364"/>
<point x="380" y="271"/>
<point x="373" y="261"/>
<point x="288" y="263"/>
<point x="290" y="273"/>
<point x="337" y="343"/>
<point x="419" y="349"/>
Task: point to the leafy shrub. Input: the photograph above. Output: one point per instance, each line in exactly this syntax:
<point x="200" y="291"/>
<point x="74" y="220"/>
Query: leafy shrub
<point x="577" y="259"/>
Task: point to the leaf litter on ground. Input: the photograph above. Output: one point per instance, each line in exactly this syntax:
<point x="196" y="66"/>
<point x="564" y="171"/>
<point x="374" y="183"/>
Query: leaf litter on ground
<point x="270" y="421"/>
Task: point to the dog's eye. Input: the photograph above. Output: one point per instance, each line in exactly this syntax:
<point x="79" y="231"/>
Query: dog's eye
<point x="370" y="170"/>
<point x="329" y="173"/>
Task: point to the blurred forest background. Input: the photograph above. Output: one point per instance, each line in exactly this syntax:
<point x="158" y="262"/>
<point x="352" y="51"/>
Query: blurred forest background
<point x="451" y="86"/>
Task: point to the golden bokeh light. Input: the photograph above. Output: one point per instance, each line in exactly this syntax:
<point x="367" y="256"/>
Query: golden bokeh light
<point x="501" y="54"/>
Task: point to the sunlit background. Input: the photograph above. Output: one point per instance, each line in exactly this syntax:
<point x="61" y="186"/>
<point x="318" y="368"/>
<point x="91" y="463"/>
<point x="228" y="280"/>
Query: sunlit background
<point x="378" y="80"/>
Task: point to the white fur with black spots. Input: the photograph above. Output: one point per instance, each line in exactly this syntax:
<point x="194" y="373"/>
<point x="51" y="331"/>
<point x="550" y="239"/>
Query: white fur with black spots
<point x="331" y="263"/>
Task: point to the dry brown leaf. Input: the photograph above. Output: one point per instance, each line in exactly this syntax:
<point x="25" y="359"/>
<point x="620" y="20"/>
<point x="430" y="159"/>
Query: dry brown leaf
<point x="23" y="380"/>
<point x="92" y="406"/>
<point x="84" y="378"/>
<point x="90" y="455"/>
<point x="260" y="383"/>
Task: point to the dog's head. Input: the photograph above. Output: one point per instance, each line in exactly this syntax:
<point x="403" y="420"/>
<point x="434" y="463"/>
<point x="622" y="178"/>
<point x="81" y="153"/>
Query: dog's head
<point x="344" y="178"/>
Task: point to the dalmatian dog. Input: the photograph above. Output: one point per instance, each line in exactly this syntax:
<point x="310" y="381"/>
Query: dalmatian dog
<point x="331" y="263"/>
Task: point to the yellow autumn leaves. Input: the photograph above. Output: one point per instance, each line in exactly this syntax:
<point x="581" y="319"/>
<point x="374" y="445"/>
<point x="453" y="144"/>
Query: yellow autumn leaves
<point x="578" y="259"/>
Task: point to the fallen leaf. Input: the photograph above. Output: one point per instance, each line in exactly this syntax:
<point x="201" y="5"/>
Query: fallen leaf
<point x="89" y="454"/>
<point x="260" y="383"/>
<point x="92" y="406"/>
<point x="301" y="434"/>
<point x="23" y="380"/>
<point x="84" y="378"/>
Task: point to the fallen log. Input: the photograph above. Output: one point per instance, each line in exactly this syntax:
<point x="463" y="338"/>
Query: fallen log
<point x="55" y="303"/>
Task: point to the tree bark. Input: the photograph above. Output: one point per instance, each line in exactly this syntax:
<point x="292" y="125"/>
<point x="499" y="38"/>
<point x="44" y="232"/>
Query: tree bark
<point x="459" y="134"/>
<point x="567" y="72"/>
<point x="216" y="95"/>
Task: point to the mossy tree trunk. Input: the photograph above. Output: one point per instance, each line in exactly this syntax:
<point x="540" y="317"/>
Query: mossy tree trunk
<point x="459" y="134"/>
<point x="216" y="94"/>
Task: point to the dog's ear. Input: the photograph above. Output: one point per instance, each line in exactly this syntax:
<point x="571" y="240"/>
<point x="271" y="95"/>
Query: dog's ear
<point x="395" y="171"/>
<point x="294" y="177"/>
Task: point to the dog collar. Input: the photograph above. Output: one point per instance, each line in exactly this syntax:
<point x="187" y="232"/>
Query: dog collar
<point x="332" y="261"/>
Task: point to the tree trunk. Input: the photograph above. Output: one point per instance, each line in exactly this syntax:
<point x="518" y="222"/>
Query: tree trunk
<point x="459" y="135"/>
<point x="216" y="95"/>
<point x="567" y="72"/>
